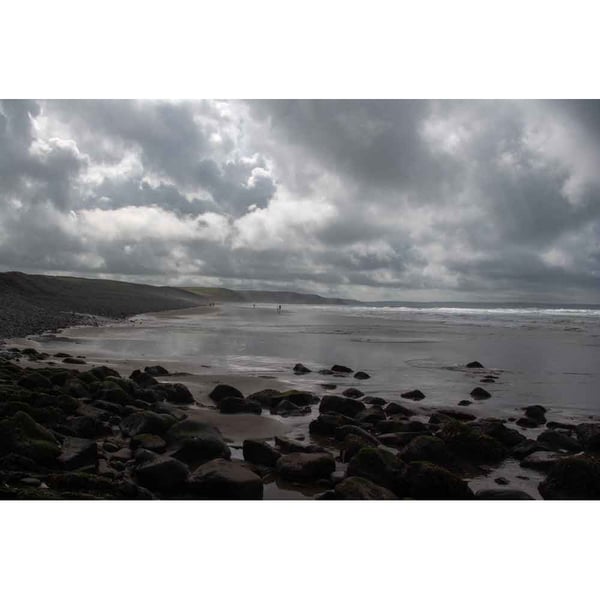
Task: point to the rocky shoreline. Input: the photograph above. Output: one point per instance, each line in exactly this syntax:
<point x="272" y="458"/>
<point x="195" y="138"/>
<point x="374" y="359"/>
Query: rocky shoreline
<point x="72" y="432"/>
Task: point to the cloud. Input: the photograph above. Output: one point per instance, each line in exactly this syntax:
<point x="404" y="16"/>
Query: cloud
<point x="373" y="199"/>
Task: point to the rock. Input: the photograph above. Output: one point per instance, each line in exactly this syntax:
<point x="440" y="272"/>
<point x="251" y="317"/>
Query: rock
<point x="525" y="448"/>
<point x="508" y="494"/>
<point x="373" y="414"/>
<point x="146" y="422"/>
<point x="527" y="423"/>
<point x="572" y="478"/>
<point x="87" y="427"/>
<point x="260" y="453"/>
<point x="501" y="481"/>
<point x="289" y="409"/>
<point x="540" y="460"/>
<point x="496" y="429"/>
<point x="474" y="365"/>
<point x="470" y="444"/>
<point x="304" y="466"/>
<point x="143" y="379"/>
<point x="487" y="380"/>
<point x="325" y="371"/>
<point x="220" y="479"/>
<point x="102" y="372"/>
<point x="557" y="425"/>
<point x="361" y="375"/>
<point x="72" y="360"/>
<point x="340" y="369"/>
<point x="224" y="391"/>
<point x="288" y="445"/>
<point x="375" y="400"/>
<point x="149" y="441"/>
<point x="588" y="435"/>
<point x="426" y="448"/>
<point x="358" y="488"/>
<point x="300" y="369"/>
<point x="327" y="424"/>
<point x="536" y="413"/>
<point x="164" y="474"/>
<point x="231" y="405"/>
<point x="431" y="482"/>
<point x="453" y="414"/>
<point x="345" y="430"/>
<point x="296" y="397"/>
<point x="352" y="393"/>
<point x="21" y="434"/>
<point x="555" y="440"/>
<point x="352" y="444"/>
<point x="177" y="393"/>
<point x="414" y="395"/>
<point x="338" y="404"/>
<point x="394" y="408"/>
<point x="381" y="467"/>
<point x="34" y="381"/>
<point x="156" y="371"/>
<point x="77" y="453"/>
<point x="398" y="439"/>
<point x="465" y="403"/>
<point x="328" y="386"/>
<point x="266" y="398"/>
<point x="479" y="393"/>
<point x="196" y="441"/>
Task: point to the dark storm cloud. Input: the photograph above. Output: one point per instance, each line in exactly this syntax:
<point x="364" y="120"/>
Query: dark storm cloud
<point x="424" y="199"/>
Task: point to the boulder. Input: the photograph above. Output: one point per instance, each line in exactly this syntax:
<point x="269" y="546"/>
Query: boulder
<point x="266" y="398"/>
<point x="381" y="467"/>
<point x="72" y="360"/>
<point x="441" y="416"/>
<point x="149" y="441"/>
<point x="156" y="371"/>
<point x="146" y="422"/>
<point x="555" y="440"/>
<point x="327" y="424"/>
<point x="340" y="369"/>
<point x="338" y="404"/>
<point x="393" y="408"/>
<point x="35" y="381"/>
<point x="101" y="372"/>
<point x="470" y="444"/>
<point x="572" y="478"/>
<point x="588" y="435"/>
<point x="414" y="395"/>
<point x="296" y="397"/>
<point x="527" y="423"/>
<point x="374" y="400"/>
<point x="288" y="445"/>
<point x="22" y="435"/>
<point x="345" y="430"/>
<point x="352" y="393"/>
<point x="77" y="453"/>
<point x="352" y="444"/>
<point x="177" y="393"/>
<point x="432" y="482"/>
<point x="231" y="405"/>
<point x="465" y="403"/>
<point x="361" y="375"/>
<point x="536" y="413"/>
<point x="359" y="488"/>
<point x="224" y="391"/>
<point x="507" y="494"/>
<point x="163" y="474"/>
<point x="260" y="453"/>
<point x="302" y="467"/>
<point x="540" y="460"/>
<point x="373" y="414"/>
<point x="143" y="379"/>
<point x="426" y="448"/>
<point x="300" y="369"/>
<point x="221" y="479"/>
<point x="196" y="441"/>
<point x="286" y="408"/>
<point x="525" y="448"/>
<point x="480" y="394"/>
<point x="474" y="365"/>
<point x="399" y="439"/>
<point x="496" y="429"/>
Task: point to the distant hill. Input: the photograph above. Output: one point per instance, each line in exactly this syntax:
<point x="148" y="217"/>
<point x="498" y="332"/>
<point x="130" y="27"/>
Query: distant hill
<point x="33" y="303"/>
<point x="227" y="295"/>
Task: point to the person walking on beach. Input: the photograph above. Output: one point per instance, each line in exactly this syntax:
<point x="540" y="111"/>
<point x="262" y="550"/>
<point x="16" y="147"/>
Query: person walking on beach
<point x="279" y="308"/>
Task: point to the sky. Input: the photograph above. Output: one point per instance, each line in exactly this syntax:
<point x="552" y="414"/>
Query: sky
<point x="402" y="200"/>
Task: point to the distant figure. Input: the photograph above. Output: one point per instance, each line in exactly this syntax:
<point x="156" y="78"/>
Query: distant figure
<point x="279" y="308"/>
<point x="254" y="306"/>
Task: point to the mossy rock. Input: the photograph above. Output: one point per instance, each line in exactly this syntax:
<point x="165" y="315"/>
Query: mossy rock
<point x="432" y="482"/>
<point x="23" y="435"/>
<point x="470" y="444"/>
<point x="381" y="467"/>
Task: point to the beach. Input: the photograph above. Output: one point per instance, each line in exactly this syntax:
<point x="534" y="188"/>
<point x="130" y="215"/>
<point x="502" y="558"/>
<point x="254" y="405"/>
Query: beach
<point x="543" y="358"/>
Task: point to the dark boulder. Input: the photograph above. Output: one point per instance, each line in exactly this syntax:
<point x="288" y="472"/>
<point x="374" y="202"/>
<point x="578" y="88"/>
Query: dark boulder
<point x="146" y="422"/>
<point x="555" y="440"/>
<point x="496" y="429"/>
<point x="224" y="391"/>
<point x="327" y="424"/>
<point x="341" y="369"/>
<point x="393" y="408"/>
<point x="143" y="379"/>
<point x="375" y="400"/>
<point x="426" y="448"/>
<point x="22" y="435"/>
<point x="572" y="478"/>
<point x="286" y="408"/>
<point x="470" y="444"/>
<point x="373" y="414"/>
<point x="352" y="393"/>
<point x="361" y="375"/>
<point x="358" y="488"/>
<point x="301" y="467"/>
<point x="35" y="381"/>
<point x="231" y="405"/>
<point x="101" y="372"/>
<point x="149" y="441"/>
<point x="427" y="481"/>
<point x="351" y="446"/>
<point x="398" y="439"/>
<point x="195" y="441"/>
<point x="381" y="467"/>
<point x="300" y="369"/>
<point x="414" y="395"/>
<point x="536" y="413"/>
<point x="72" y="360"/>
<point x="507" y="494"/>
<point x="156" y="371"/>
<point x="475" y="365"/>
<point x="221" y="479"/>
<point x="296" y="397"/>
<point x="480" y="394"/>
<point x="342" y="432"/>
<point x="525" y="448"/>
<point x="260" y="453"/>
<point x="442" y="416"/>
<point x="540" y="460"/>
<point x="77" y="453"/>
<point x="338" y="404"/>
<point x="287" y="445"/>
<point x="176" y="393"/>
<point x="588" y="435"/>
<point x="527" y="423"/>
<point x="164" y="474"/>
<point x="266" y="398"/>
